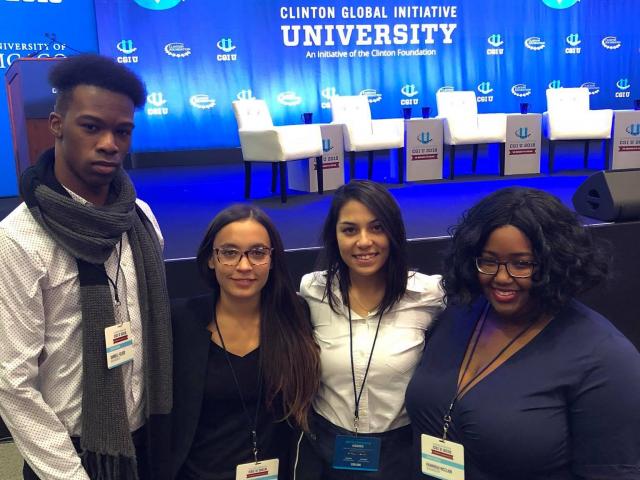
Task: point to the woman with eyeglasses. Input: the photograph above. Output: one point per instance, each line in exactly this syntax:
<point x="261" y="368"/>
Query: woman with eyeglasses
<point x="520" y="380"/>
<point x="246" y="365"/>
<point x="369" y="315"/>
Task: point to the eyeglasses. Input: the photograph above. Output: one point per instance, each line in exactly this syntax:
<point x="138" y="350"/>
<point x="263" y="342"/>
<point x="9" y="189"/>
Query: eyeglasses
<point x="232" y="256"/>
<point x="516" y="268"/>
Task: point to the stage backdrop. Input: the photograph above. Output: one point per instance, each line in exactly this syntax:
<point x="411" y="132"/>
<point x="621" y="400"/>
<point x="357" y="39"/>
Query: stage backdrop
<point x="197" y="56"/>
<point x="41" y="28"/>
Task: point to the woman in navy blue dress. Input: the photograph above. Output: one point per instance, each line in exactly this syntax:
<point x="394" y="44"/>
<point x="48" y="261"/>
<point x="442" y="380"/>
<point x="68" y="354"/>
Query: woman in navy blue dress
<point x="522" y="380"/>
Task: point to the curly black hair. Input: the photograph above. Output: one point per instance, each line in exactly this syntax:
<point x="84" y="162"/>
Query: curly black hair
<point x="386" y="210"/>
<point x="98" y="71"/>
<point x="569" y="261"/>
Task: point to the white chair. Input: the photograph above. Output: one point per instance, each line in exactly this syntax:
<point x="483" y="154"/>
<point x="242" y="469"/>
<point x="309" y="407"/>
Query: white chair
<point x="362" y="134"/>
<point x="464" y="126"/>
<point x="261" y="141"/>
<point x="568" y="117"/>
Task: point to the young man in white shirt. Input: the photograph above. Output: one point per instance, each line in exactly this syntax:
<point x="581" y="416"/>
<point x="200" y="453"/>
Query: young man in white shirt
<point x="85" y="357"/>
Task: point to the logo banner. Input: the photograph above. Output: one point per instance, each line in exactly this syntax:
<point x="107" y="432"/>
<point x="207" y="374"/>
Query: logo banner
<point x="199" y="56"/>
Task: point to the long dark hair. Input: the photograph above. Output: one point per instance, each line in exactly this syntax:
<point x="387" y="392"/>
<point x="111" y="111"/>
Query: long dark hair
<point x="288" y="352"/>
<point x="384" y="207"/>
<point x="568" y="259"/>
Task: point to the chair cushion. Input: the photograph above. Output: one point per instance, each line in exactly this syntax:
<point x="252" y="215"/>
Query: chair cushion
<point x="351" y="110"/>
<point x="252" y="114"/>
<point x="567" y="100"/>
<point x="459" y="104"/>
<point x="591" y="124"/>
<point x="293" y="142"/>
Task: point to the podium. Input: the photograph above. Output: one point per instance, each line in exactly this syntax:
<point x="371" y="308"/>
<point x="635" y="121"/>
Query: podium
<point x="524" y="139"/>
<point x="30" y="99"/>
<point x="626" y="140"/>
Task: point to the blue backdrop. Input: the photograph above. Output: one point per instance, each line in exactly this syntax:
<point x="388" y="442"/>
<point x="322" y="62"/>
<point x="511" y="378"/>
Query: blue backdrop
<point x="197" y="56"/>
<point x="23" y="25"/>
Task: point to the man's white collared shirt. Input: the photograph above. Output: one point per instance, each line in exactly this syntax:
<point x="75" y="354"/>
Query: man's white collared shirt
<point x="41" y="347"/>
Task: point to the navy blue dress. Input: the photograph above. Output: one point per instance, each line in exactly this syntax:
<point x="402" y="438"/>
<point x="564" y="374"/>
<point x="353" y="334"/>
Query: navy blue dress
<point x="565" y="406"/>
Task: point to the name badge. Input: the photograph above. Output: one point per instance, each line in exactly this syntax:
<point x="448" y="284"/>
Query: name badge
<point x="119" y="343"/>
<point x="356" y="453"/>
<point x="441" y="458"/>
<point x="263" y="470"/>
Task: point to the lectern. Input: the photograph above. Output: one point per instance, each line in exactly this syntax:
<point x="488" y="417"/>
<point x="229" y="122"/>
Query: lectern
<point x="31" y="99"/>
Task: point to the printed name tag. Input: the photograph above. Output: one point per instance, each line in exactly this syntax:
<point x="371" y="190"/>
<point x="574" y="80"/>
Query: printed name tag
<point x="356" y="453"/>
<point x="442" y="459"/>
<point x="263" y="470"/>
<point x="119" y="343"/>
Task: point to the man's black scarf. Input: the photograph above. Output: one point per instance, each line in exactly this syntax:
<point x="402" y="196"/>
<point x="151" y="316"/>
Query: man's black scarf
<point x="90" y="234"/>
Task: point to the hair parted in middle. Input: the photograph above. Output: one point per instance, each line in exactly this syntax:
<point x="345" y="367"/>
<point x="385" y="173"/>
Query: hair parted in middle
<point x="289" y="355"/>
<point x="386" y="210"/>
<point x="568" y="260"/>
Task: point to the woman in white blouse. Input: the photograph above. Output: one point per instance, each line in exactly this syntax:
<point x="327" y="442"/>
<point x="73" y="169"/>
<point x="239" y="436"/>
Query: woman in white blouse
<point x="369" y="315"/>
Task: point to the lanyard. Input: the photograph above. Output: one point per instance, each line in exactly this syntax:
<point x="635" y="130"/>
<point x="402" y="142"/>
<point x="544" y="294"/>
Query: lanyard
<point x="115" y="284"/>
<point x="252" y="427"/>
<point x="462" y="389"/>
<point x="357" y="395"/>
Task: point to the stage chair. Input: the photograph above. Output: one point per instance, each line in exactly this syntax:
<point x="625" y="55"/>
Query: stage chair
<point x="362" y="134"/>
<point x="568" y="117"/>
<point x="261" y="141"/>
<point x="463" y="125"/>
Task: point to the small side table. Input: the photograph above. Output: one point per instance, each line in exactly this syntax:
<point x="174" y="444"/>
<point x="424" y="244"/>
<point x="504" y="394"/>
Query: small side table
<point x="523" y="145"/>
<point x="423" y="149"/>
<point x="626" y="139"/>
<point x="302" y="174"/>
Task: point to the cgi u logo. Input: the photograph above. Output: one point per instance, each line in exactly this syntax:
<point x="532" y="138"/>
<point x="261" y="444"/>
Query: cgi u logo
<point x="574" y="39"/>
<point x="495" y="40"/>
<point x="424" y="138"/>
<point x="522" y="133"/>
<point x="245" y="95"/>
<point x="328" y="92"/>
<point x="326" y="145"/>
<point x="157" y="4"/>
<point x="485" y="88"/>
<point x="156" y="99"/>
<point x="225" y="44"/>
<point x="633" y="129"/>
<point x="555" y="84"/>
<point x="623" y="83"/>
<point x="126" y="47"/>
<point x="409" y="90"/>
<point x="560" y="4"/>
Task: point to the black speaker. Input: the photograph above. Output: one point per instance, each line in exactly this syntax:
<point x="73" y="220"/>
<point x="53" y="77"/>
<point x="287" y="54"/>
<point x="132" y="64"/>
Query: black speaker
<point x="610" y="196"/>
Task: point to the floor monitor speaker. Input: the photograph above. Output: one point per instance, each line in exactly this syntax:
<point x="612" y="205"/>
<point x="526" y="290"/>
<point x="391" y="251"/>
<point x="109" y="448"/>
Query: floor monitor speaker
<point x="610" y="196"/>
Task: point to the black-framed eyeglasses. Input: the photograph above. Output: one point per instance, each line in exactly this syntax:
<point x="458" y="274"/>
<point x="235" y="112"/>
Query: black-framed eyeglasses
<point x="232" y="256"/>
<point x="515" y="268"/>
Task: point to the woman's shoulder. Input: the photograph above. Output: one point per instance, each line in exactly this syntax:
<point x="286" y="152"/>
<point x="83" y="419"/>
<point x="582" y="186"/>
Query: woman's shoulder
<point x="424" y="290"/>
<point x="313" y="284"/>
<point x="595" y="331"/>
<point x="188" y="313"/>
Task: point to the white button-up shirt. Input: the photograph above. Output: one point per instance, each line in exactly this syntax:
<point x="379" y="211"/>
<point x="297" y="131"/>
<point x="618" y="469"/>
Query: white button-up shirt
<point x="397" y="351"/>
<point x="41" y="343"/>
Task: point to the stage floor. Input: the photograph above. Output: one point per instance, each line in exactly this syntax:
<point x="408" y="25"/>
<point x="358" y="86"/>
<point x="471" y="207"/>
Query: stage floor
<point x="185" y="199"/>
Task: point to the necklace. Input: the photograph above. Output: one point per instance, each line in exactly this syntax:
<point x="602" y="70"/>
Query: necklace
<point x="360" y="304"/>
